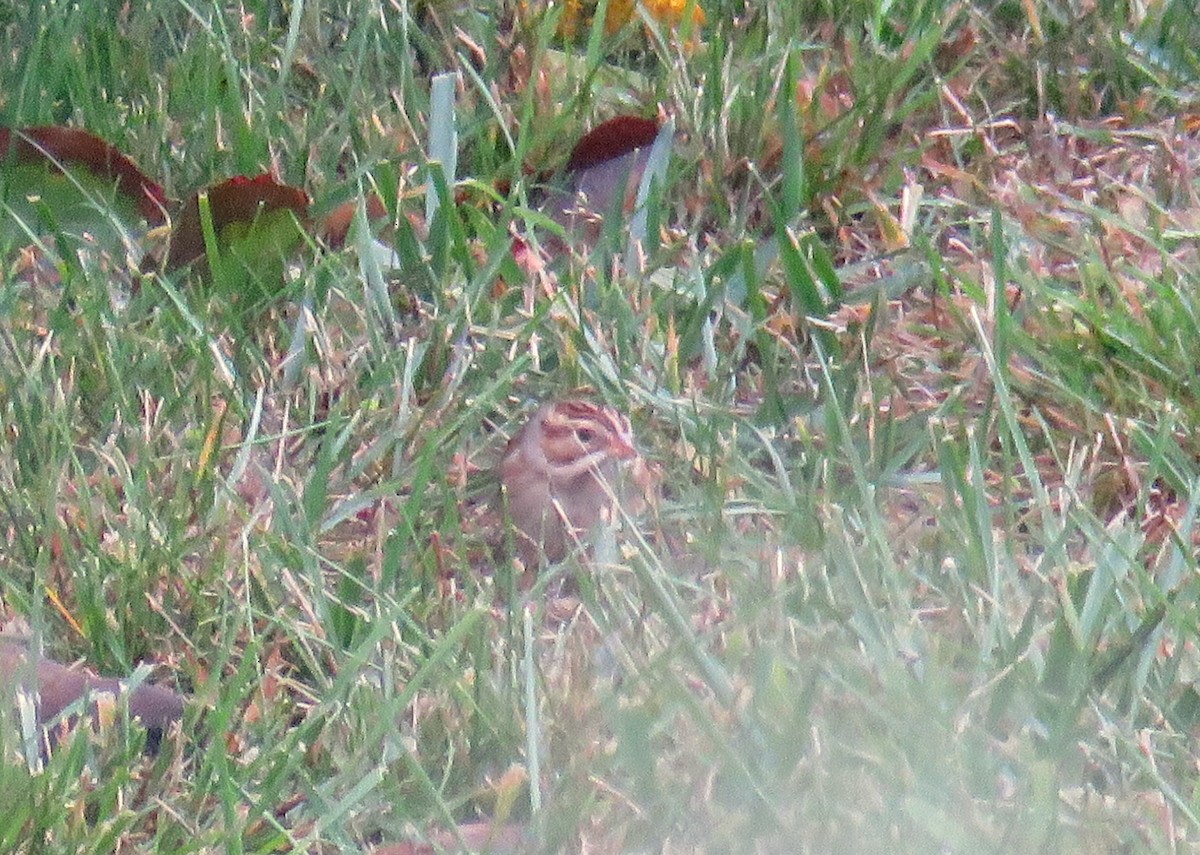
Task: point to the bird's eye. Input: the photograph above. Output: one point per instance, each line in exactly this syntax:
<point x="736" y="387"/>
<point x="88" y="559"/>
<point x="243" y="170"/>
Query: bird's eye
<point x="585" y="435"/>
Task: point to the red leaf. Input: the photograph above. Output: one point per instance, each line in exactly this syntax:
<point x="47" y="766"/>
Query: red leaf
<point x="605" y="166"/>
<point x="60" y="146"/>
<point x="336" y="224"/>
<point x="610" y="140"/>
<point x="238" y="200"/>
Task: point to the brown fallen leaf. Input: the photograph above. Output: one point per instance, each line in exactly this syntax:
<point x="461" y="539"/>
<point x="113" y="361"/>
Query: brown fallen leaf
<point x="240" y="200"/>
<point x="59" y="146"/>
<point x="335" y="225"/>
<point x="58" y="686"/>
<point x="606" y="164"/>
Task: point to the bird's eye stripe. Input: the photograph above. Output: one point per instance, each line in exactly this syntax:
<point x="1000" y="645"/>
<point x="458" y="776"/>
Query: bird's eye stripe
<point x="571" y="424"/>
<point x="558" y="431"/>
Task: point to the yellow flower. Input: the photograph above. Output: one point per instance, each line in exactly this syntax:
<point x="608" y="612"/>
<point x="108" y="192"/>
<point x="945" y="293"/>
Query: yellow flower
<point x="577" y="14"/>
<point x="670" y="12"/>
<point x="568" y="23"/>
<point x="619" y="13"/>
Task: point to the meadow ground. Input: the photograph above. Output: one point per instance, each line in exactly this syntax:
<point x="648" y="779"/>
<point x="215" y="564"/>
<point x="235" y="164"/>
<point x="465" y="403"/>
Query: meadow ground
<point x="910" y="343"/>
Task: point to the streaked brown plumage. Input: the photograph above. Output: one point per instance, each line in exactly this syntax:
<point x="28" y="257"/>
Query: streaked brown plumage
<point x="559" y="475"/>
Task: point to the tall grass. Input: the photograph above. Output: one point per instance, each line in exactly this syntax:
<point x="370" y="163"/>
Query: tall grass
<point x="910" y="349"/>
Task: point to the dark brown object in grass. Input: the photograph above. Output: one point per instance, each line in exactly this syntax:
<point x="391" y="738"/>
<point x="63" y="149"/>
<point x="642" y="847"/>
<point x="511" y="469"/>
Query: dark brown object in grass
<point x="59" y="146"/>
<point x="239" y="200"/>
<point x="58" y="686"/>
<point x="605" y="168"/>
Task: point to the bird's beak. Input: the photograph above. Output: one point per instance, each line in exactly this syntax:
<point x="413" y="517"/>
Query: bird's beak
<point x="623" y="448"/>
